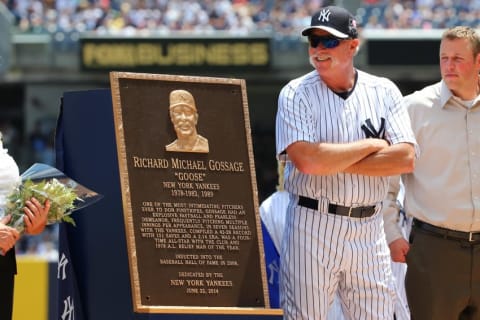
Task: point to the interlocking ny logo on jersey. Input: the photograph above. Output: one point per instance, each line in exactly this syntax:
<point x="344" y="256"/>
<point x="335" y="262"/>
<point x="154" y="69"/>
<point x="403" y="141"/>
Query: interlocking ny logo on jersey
<point x="324" y="15"/>
<point x="370" y="130"/>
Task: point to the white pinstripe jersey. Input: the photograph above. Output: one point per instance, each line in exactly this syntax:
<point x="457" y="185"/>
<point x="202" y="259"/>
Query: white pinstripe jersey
<point x="309" y="111"/>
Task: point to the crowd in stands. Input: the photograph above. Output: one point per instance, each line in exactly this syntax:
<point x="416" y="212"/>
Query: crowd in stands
<point x="419" y="14"/>
<point x="44" y="244"/>
<point x="125" y="17"/>
<point x="285" y="17"/>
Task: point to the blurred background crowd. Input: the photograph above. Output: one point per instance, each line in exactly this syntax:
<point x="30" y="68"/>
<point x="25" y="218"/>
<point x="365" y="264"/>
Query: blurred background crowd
<point x="68" y="18"/>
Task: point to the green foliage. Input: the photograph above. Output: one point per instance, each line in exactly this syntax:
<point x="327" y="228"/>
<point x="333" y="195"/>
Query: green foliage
<point x="61" y="198"/>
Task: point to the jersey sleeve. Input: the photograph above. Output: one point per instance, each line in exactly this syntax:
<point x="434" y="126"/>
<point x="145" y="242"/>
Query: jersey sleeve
<point x="294" y="120"/>
<point x="398" y="127"/>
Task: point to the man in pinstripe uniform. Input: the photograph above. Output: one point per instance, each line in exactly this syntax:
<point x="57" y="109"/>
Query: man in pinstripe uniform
<point x="272" y="212"/>
<point x="342" y="132"/>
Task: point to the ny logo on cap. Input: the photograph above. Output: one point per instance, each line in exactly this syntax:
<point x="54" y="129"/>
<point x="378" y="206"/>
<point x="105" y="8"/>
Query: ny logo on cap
<point x="324" y="15"/>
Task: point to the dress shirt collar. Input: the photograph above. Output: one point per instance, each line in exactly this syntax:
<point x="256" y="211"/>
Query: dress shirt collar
<point x="446" y="95"/>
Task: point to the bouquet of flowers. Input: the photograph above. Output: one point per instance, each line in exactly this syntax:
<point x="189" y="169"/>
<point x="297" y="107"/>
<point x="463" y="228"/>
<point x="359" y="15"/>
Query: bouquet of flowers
<point x="44" y="182"/>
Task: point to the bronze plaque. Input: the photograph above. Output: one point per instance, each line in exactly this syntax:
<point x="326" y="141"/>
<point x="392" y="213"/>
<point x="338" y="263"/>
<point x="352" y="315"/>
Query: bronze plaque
<point x="189" y="194"/>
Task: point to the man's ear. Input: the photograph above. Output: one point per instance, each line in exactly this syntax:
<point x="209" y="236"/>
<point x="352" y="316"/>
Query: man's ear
<point x="355" y="45"/>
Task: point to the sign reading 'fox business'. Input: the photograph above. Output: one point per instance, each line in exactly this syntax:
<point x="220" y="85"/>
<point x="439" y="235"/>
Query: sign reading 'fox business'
<point x="192" y="54"/>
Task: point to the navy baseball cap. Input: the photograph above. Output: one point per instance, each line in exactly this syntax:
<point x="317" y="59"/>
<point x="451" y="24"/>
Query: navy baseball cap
<point x="335" y="20"/>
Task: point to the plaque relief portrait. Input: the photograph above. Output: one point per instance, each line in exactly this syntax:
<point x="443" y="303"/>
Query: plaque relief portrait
<point x="184" y="117"/>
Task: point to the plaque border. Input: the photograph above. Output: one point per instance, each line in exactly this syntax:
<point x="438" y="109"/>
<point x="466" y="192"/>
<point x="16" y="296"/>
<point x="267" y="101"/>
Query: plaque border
<point x="115" y="76"/>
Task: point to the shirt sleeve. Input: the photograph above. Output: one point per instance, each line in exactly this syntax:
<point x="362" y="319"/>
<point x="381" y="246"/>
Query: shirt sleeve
<point x="391" y="211"/>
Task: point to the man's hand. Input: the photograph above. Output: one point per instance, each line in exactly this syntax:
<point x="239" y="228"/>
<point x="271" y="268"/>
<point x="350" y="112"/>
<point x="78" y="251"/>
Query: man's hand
<point x="8" y="235"/>
<point x="399" y="249"/>
<point x="380" y="143"/>
<point x="35" y="216"/>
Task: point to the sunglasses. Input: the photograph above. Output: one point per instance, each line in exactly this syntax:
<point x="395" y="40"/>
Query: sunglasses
<point x="327" y="42"/>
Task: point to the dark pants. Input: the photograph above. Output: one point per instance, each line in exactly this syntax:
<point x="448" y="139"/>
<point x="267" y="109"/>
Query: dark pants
<point x="443" y="278"/>
<point x="6" y="295"/>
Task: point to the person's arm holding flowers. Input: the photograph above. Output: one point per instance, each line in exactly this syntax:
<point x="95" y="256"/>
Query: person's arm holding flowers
<point x="34" y="219"/>
<point x="42" y="195"/>
<point x="8" y="235"/>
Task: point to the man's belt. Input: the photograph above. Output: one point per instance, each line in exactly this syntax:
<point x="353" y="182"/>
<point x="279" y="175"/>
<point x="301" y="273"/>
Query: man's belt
<point x="447" y="233"/>
<point x="354" y="212"/>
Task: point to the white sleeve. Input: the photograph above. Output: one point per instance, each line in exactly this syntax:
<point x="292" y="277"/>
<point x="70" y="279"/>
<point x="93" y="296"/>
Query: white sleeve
<point x="294" y="118"/>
